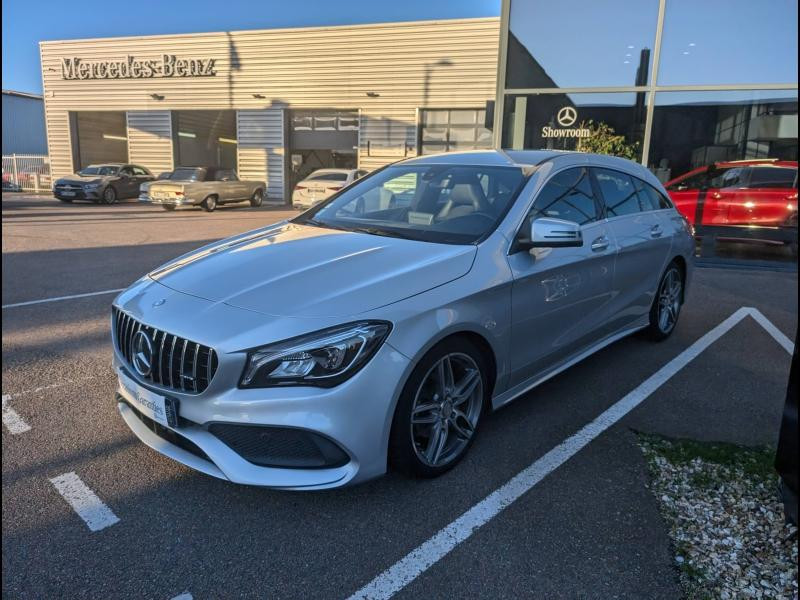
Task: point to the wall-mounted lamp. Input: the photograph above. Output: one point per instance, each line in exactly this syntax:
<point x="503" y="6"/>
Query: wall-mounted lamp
<point x="373" y="95"/>
<point x="155" y="96"/>
<point x="259" y="96"/>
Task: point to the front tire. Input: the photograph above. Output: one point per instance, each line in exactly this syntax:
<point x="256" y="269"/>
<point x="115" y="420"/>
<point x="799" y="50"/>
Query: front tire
<point x="67" y="200"/>
<point x="257" y="199"/>
<point x="667" y="304"/>
<point x="437" y="415"/>
<point x="109" y="195"/>
<point x="210" y="204"/>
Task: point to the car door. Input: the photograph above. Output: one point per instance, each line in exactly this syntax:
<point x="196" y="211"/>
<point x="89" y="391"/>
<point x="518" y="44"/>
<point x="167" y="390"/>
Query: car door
<point x="685" y="193"/>
<point x="128" y="185"/>
<point x="768" y="198"/>
<point x="643" y="243"/>
<point x="226" y="187"/>
<point x="561" y="296"/>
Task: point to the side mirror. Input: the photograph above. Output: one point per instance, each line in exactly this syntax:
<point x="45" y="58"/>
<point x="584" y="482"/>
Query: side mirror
<point x="552" y="233"/>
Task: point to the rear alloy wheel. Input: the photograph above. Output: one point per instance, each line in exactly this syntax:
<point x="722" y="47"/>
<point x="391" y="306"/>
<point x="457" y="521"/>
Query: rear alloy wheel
<point x="667" y="304"/>
<point x="109" y="195"/>
<point x="438" y="412"/>
<point x="257" y="199"/>
<point x="209" y="204"/>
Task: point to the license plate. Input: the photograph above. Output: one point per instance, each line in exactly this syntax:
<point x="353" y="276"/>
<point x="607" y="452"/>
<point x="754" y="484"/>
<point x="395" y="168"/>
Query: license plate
<point x="67" y="193"/>
<point x="148" y="403"/>
<point x="160" y="195"/>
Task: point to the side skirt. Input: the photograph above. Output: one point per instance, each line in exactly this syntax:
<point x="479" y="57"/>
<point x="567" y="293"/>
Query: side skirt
<point x="527" y="385"/>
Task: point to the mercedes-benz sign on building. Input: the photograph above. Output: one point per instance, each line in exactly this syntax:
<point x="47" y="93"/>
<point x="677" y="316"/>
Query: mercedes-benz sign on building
<point x="274" y="104"/>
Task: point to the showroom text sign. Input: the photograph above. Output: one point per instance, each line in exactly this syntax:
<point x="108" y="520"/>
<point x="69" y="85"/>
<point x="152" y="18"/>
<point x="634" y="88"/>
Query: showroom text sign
<point x="566" y="117"/>
<point x="132" y="68"/>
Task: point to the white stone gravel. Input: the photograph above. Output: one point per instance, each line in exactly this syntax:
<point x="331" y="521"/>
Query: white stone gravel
<point x="727" y="526"/>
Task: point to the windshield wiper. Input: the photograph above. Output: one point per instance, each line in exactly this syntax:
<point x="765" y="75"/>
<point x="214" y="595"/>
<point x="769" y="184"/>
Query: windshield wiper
<point x="315" y="223"/>
<point x="381" y="232"/>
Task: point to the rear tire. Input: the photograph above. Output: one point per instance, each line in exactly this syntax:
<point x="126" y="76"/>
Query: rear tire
<point x="210" y="204"/>
<point x="257" y="199"/>
<point x="431" y="395"/>
<point x="667" y="304"/>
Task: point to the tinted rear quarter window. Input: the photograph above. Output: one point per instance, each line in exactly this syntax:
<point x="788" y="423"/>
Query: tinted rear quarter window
<point x="618" y="192"/>
<point x="773" y="177"/>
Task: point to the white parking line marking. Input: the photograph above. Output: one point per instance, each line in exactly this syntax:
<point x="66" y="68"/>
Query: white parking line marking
<point x="183" y="596"/>
<point x="13" y="422"/>
<point x="56" y="299"/>
<point x="434" y="549"/>
<point x="772" y="330"/>
<point x="84" y="501"/>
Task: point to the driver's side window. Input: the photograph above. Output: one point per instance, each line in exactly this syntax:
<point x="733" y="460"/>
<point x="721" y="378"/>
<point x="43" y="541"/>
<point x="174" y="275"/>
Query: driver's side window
<point x="568" y="195"/>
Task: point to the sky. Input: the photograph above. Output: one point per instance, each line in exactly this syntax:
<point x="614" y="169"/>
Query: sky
<point x="26" y="23"/>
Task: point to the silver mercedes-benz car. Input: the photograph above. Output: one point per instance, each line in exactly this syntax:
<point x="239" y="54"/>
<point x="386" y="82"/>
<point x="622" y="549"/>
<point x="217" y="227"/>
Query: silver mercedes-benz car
<point x="380" y="327"/>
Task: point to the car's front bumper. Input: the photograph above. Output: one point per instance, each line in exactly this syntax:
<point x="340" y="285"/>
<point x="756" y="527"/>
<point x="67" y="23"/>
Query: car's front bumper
<point x="355" y="415"/>
<point x="77" y="194"/>
<point x="167" y="201"/>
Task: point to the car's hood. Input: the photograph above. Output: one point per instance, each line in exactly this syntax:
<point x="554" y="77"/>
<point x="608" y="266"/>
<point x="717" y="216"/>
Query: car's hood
<point x="302" y="271"/>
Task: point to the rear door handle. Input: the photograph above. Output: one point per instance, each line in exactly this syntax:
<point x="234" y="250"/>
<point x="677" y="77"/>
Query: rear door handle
<point x="600" y="244"/>
<point x="655" y="231"/>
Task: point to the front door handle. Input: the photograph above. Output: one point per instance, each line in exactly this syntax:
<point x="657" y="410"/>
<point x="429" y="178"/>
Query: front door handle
<point x="600" y="244"/>
<point x="655" y="231"/>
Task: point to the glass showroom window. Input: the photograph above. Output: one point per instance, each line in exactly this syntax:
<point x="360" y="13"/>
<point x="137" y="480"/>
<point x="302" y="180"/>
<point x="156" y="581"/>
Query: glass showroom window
<point x="575" y="43"/>
<point x="697" y="129"/>
<point x="611" y="123"/>
<point x="456" y="129"/>
<point x="728" y="42"/>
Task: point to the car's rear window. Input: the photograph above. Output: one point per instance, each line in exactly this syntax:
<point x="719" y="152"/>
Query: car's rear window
<point x="329" y="176"/>
<point x="186" y="175"/>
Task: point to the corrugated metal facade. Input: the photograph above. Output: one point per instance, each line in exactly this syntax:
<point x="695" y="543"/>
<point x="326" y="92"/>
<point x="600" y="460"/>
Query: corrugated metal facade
<point x="388" y="71"/>
<point x="150" y="139"/>
<point x="23" y="124"/>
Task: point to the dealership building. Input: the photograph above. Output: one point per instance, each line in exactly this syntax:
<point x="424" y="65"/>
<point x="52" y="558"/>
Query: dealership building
<point x="675" y="84"/>
<point x="274" y="104"/>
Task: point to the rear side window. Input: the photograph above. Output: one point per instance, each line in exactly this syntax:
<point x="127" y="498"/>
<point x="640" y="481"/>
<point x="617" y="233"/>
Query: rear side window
<point x="772" y="177"/>
<point x="619" y="193"/>
<point x="649" y="197"/>
<point x="568" y="195"/>
<point x="327" y="176"/>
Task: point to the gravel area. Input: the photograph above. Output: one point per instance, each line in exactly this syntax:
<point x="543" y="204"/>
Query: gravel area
<point x="725" y="519"/>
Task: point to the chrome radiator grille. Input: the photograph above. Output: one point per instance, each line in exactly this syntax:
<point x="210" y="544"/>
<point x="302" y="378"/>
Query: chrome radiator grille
<point x="175" y="362"/>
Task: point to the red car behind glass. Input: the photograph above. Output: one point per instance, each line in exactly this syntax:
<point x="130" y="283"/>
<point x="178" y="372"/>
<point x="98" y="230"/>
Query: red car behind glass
<point x="736" y="193"/>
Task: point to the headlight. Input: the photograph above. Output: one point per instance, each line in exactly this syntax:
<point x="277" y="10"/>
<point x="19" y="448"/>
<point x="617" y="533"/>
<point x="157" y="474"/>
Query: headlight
<point x="324" y="359"/>
<point x="91" y="186"/>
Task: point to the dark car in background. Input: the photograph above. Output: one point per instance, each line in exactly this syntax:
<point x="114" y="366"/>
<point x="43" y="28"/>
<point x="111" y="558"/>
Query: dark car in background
<point x="757" y="196"/>
<point x="104" y="183"/>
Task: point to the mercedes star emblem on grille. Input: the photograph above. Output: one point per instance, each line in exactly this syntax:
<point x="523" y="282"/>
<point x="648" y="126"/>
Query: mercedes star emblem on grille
<point x="142" y="353"/>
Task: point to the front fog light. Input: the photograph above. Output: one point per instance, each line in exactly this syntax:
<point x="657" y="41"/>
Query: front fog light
<point x="324" y="359"/>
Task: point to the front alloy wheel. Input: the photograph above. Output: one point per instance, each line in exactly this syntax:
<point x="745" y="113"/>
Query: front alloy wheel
<point x="438" y="413"/>
<point x="109" y="195"/>
<point x="257" y="199"/>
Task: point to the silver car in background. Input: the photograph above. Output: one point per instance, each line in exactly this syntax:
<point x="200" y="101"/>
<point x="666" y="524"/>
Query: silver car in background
<point x="207" y="187"/>
<point x="321" y="185"/>
<point x="375" y="331"/>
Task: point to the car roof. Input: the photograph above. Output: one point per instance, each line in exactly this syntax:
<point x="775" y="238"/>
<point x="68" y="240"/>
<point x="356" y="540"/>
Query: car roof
<point x="531" y="159"/>
<point x="758" y="162"/>
<point x="105" y="165"/>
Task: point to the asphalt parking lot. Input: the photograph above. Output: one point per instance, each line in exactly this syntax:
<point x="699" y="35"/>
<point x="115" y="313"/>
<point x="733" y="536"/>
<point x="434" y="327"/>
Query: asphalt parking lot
<point x="587" y="528"/>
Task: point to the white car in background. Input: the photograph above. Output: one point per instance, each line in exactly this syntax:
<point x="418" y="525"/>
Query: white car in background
<point x="321" y="185"/>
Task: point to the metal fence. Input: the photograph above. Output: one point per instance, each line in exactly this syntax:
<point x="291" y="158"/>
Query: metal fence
<point x="26" y="172"/>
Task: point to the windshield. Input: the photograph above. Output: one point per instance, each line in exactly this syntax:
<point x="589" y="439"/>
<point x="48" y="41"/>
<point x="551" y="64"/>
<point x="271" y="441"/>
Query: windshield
<point x="185" y="174"/>
<point x="99" y="170"/>
<point x="327" y="176"/>
<point x="451" y="204"/>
